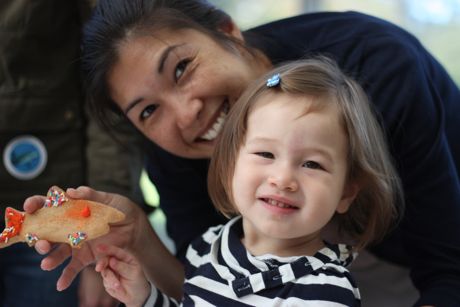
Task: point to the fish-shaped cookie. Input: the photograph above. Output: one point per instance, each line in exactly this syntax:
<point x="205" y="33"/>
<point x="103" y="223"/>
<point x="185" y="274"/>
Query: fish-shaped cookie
<point x="61" y="219"/>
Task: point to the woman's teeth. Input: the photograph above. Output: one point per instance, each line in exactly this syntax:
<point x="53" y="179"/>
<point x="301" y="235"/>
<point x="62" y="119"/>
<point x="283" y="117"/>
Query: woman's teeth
<point x="212" y="133"/>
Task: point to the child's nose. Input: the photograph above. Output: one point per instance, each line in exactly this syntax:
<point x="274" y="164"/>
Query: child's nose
<point x="284" y="179"/>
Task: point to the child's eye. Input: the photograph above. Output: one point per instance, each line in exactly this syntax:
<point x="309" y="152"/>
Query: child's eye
<point x="312" y="165"/>
<point x="180" y="69"/>
<point x="266" y="155"/>
<point x="147" y="111"/>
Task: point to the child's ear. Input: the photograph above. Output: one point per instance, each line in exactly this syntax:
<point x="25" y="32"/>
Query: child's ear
<point x="350" y="192"/>
<point x="229" y="28"/>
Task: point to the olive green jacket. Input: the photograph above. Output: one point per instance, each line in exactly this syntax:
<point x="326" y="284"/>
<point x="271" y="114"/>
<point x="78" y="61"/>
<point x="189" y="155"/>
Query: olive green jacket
<point x="41" y="98"/>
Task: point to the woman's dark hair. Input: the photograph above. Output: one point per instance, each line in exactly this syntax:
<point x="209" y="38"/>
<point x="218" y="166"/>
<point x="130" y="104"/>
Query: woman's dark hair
<point x="116" y="21"/>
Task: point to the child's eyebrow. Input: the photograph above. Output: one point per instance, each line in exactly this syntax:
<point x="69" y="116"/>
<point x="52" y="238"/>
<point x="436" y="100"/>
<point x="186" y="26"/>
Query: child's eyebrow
<point x="264" y="141"/>
<point x="312" y="149"/>
<point x="260" y="139"/>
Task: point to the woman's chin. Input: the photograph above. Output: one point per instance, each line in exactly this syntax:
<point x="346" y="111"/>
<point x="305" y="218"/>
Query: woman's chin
<point x="201" y="149"/>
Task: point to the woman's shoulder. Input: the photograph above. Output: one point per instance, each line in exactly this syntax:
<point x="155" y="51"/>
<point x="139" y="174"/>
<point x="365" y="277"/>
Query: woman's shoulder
<point x="344" y="36"/>
<point x="346" y="21"/>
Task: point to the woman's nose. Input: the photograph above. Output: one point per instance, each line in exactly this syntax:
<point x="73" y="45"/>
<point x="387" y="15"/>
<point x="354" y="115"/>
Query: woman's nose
<point x="188" y="112"/>
<point x="283" y="178"/>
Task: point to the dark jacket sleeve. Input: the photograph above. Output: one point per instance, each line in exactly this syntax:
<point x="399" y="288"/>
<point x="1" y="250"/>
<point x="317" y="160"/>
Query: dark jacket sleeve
<point x="115" y="160"/>
<point x="182" y="187"/>
<point x="420" y="109"/>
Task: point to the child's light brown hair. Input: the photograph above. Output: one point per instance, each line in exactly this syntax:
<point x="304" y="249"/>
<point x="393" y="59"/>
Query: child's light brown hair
<point x="373" y="211"/>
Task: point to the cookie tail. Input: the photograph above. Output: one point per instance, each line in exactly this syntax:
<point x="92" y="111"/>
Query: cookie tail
<point x="13" y="221"/>
<point x="9" y="242"/>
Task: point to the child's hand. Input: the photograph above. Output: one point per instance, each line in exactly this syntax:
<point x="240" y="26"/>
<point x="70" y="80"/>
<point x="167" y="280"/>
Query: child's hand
<point x="122" y="275"/>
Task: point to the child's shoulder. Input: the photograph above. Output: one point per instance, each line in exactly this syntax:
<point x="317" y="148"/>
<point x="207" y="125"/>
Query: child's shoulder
<point x="339" y="254"/>
<point x="200" y="248"/>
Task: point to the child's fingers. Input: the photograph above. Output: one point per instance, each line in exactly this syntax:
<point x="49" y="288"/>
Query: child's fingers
<point x="111" y="281"/>
<point x="119" y="260"/>
<point x="101" y="264"/>
<point x="114" y="251"/>
<point x="124" y="269"/>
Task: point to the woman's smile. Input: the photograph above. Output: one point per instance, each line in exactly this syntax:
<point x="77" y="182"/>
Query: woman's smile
<point x="216" y="123"/>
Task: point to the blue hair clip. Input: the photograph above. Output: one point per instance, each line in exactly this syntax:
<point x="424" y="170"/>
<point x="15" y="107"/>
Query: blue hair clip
<point x="274" y="80"/>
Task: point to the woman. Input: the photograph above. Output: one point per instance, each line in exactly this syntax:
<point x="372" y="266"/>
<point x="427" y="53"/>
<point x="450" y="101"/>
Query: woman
<point x="174" y="68"/>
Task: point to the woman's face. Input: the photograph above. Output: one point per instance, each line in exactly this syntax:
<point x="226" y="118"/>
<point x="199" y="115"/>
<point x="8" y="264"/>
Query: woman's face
<point x="177" y="87"/>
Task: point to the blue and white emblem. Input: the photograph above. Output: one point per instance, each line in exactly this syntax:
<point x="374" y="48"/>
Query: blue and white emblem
<point x="25" y="157"/>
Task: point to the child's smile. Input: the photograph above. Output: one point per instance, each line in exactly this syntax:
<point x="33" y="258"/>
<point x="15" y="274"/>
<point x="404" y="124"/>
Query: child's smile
<point x="291" y="171"/>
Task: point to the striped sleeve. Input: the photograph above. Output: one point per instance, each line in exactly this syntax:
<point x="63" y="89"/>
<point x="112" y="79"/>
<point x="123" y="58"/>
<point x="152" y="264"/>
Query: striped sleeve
<point x="159" y="299"/>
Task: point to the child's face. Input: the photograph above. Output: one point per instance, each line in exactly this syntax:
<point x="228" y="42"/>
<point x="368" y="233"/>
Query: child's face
<point x="289" y="177"/>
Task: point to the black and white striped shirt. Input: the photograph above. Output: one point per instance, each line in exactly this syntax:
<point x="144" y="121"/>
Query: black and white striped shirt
<point x="221" y="272"/>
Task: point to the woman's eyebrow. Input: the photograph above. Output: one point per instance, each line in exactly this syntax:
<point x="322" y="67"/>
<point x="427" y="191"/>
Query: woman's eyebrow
<point x="164" y="56"/>
<point x="132" y="105"/>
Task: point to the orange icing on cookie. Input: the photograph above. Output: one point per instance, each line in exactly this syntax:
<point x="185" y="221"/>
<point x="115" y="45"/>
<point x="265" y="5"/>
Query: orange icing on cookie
<point x="75" y="211"/>
<point x="14" y="220"/>
<point x="86" y="212"/>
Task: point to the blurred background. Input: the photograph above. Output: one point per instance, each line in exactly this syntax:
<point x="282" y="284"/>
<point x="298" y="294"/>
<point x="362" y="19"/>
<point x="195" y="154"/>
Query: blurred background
<point x="436" y="23"/>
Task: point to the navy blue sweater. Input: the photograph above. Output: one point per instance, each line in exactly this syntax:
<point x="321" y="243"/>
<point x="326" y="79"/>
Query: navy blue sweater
<point x="419" y="107"/>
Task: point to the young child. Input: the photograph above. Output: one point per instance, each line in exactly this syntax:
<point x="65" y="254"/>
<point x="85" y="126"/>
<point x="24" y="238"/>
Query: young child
<point x="298" y="151"/>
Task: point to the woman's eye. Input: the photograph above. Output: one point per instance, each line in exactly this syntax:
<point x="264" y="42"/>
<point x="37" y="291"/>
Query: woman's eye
<point x="266" y="155"/>
<point x="180" y="69"/>
<point x="312" y="165"/>
<point x="147" y="111"/>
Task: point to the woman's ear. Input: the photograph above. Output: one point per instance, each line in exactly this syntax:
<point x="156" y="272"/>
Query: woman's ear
<point x="350" y="192"/>
<point x="228" y="27"/>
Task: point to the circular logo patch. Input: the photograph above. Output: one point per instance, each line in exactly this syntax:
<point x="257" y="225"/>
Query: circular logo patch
<point x="25" y="157"/>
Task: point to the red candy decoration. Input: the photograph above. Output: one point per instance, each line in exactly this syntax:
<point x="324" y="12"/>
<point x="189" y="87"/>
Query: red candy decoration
<point x="14" y="220"/>
<point x="86" y="212"/>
